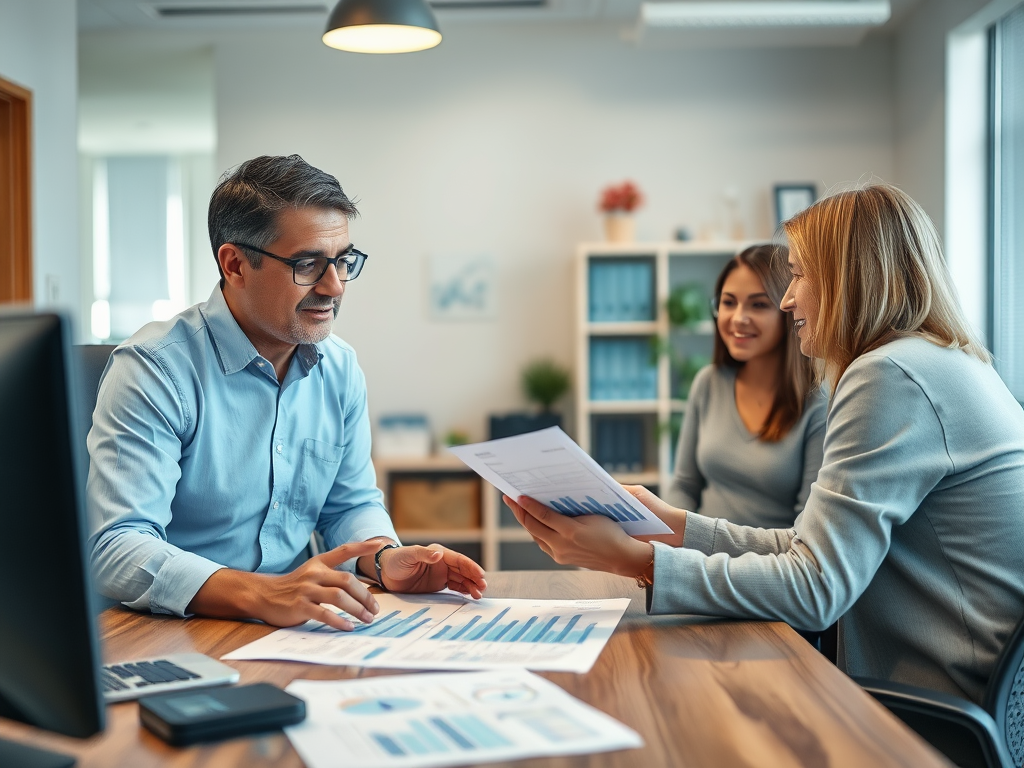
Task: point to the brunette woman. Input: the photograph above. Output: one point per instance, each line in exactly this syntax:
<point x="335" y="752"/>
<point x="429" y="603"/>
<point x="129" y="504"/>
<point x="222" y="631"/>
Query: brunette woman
<point x="751" y="442"/>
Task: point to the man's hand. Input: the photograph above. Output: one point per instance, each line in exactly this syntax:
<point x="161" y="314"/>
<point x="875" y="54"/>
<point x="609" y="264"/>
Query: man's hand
<point x="671" y="516"/>
<point x="588" y="541"/>
<point x="292" y="598"/>
<point x="429" y="569"/>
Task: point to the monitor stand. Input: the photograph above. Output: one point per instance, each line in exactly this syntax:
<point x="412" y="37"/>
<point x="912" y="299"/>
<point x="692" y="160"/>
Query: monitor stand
<point x="14" y="755"/>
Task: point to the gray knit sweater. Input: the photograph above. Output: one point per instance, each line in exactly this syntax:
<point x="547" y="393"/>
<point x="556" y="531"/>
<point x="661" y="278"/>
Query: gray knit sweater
<point x="913" y="532"/>
<point x="723" y="470"/>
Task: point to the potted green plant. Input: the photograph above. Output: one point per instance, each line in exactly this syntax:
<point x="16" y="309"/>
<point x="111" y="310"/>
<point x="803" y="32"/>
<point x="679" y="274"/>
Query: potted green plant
<point x="688" y="306"/>
<point x="544" y="382"/>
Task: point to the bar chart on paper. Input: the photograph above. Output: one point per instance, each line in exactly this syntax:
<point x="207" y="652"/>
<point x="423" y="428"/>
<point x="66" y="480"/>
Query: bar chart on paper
<point x="532" y="630"/>
<point x="541" y="635"/>
<point x="437" y="632"/>
<point x="401" y="620"/>
<point x="549" y="467"/>
<point x="567" y="505"/>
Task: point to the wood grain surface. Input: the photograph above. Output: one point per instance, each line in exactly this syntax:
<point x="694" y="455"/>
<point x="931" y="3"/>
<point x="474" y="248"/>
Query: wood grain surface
<point x="701" y="692"/>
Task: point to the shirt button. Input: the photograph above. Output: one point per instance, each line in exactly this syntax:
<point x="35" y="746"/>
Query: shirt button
<point x="277" y="504"/>
<point x="279" y="449"/>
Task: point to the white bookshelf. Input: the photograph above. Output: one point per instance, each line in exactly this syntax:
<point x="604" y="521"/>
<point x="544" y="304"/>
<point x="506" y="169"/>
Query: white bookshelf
<point x="674" y="263"/>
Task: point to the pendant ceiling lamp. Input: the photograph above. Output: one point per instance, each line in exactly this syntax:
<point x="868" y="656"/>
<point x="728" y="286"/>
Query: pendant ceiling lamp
<point x="382" y="26"/>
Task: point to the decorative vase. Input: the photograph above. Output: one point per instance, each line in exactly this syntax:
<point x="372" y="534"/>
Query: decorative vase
<point x="619" y="227"/>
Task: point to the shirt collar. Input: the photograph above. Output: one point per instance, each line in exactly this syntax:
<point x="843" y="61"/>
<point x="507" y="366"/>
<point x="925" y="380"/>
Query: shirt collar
<point x="233" y="347"/>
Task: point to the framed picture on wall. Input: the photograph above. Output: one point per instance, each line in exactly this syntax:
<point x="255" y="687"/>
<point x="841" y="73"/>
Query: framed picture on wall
<point x="462" y="287"/>
<point x="790" y="199"/>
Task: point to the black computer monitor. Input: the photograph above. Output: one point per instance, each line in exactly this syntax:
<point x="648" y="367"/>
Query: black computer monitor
<point x="49" y="647"/>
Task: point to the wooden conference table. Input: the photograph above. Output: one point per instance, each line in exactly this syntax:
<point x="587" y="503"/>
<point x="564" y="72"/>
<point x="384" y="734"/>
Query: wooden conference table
<point x="700" y="692"/>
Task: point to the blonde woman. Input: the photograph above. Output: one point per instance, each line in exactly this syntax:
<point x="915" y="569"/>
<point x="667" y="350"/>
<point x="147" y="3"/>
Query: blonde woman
<point x="751" y="442"/>
<point x="913" y="530"/>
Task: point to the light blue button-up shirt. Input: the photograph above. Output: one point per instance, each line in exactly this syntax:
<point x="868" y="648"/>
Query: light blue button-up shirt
<point x="201" y="460"/>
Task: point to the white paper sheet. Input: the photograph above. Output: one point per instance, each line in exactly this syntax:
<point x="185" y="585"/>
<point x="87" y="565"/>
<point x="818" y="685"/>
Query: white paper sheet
<point x="548" y="466"/>
<point x="437" y="719"/>
<point x="454" y="633"/>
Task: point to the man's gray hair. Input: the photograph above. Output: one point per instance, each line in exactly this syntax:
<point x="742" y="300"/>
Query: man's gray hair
<point x="245" y="205"/>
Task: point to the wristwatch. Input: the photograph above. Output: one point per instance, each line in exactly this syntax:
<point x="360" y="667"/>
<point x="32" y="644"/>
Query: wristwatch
<point x="376" y="562"/>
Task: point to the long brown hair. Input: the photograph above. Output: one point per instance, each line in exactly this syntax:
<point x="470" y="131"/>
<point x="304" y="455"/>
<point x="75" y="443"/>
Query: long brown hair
<point x="770" y="263"/>
<point x="873" y="258"/>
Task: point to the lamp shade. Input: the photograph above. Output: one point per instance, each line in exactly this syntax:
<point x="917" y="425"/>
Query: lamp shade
<point x="382" y="26"/>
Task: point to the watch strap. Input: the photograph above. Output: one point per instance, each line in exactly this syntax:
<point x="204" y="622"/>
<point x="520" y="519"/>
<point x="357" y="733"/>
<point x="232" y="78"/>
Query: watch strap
<point x="376" y="562"/>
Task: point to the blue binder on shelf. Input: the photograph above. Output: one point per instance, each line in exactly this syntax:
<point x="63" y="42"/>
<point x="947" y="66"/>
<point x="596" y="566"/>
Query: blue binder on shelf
<point x="620" y="290"/>
<point x="621" y="368"/>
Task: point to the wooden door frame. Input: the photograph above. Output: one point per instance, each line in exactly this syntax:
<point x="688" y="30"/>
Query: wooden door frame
<point x="15" y="193"/>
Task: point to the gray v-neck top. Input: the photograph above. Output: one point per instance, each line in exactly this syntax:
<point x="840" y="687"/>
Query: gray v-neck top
<point x="723" y="470"/>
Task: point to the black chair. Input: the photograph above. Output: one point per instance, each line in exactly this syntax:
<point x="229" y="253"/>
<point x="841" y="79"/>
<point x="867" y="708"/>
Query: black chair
<point x="989" y="736"/>
<point x="91" y="360"/>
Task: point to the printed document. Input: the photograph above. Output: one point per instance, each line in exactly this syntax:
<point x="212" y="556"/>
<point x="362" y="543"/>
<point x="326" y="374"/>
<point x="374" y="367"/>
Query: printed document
<point x="443" y="631"/>
<point x="447" y="719"/>
<point x="549" y="467"/>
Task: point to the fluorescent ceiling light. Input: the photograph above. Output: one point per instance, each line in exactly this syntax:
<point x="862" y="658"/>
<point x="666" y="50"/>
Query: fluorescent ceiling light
<point x="731" y="15"/>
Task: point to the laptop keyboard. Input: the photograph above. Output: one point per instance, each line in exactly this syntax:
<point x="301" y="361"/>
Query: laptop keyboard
<point x="122" y="677"/>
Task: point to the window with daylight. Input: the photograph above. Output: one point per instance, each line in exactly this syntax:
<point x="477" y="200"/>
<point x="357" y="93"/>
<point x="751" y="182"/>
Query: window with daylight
<point x="139" y="265"/>
<point x="1007" y="198"/>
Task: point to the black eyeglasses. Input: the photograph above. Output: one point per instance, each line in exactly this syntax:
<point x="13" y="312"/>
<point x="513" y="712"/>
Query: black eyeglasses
<point x="308" y="270"/>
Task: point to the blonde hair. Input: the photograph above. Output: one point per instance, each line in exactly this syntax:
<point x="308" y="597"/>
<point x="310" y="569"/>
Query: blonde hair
<point x="873" y="258"/>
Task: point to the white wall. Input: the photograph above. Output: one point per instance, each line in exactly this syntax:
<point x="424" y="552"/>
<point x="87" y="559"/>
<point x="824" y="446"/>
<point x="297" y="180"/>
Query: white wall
<point x="38" y="50"/>
<point x="499" y="141"/>
<point x="919" y="106"/>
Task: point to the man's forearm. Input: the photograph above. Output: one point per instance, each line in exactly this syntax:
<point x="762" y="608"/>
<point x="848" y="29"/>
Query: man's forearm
<point x="228" y="594"/>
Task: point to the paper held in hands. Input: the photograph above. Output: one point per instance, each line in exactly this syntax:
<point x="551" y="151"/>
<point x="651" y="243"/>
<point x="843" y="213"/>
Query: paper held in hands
<point x="549" y="467"/>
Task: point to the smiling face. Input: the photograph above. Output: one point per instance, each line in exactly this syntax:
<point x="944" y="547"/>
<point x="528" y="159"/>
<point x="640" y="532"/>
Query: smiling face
<point x="274" y="312"/>
<point x="749" y="323"/>
<point x="802" y="300"/>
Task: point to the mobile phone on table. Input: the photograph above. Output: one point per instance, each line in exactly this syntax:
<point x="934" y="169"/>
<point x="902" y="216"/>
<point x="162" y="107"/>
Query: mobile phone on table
<point x="188" y="717"/>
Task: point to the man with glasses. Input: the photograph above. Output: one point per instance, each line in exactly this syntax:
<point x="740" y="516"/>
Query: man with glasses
<point x="224" y="437"/>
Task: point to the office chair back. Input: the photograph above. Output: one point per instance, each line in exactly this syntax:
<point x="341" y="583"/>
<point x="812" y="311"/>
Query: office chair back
<point x="1004" y="696"/>
<point x="91" y="359"/>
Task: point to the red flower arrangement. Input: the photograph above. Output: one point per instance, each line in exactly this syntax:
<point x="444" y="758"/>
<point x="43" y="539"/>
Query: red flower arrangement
<point x="625" y="197"/>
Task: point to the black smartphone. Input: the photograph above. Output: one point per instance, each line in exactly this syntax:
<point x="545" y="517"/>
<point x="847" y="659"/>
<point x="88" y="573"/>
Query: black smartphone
<point x="187" y="717"/>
